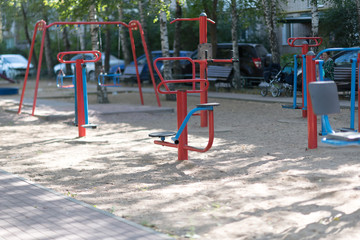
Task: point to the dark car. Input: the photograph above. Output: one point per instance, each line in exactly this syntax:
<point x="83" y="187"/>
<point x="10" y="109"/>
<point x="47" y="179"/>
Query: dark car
<point x="143" y="67"/>
<point x="253" y="59"/>
<point x="342" y="68"/>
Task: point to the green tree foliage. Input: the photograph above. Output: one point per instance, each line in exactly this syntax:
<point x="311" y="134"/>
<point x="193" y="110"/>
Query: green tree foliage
<point x="340" y="24"/>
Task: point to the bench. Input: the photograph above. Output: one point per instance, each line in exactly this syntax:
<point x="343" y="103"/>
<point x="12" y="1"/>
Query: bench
<point x="342" y="78"/>
<point x="219" y="74"/>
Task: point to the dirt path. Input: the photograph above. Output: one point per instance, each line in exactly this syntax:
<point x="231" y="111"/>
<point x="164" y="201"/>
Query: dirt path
<point x="257" y="182"/>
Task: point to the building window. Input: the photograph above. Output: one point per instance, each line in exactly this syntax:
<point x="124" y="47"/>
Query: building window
<point x="287" y="32"/>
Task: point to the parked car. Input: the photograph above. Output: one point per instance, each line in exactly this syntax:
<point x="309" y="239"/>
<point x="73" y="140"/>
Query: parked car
<point x="143" y="66"/>
<point x="90" y="67"/>
<point x="253" y="59"/>
<point x="14" y="65"/>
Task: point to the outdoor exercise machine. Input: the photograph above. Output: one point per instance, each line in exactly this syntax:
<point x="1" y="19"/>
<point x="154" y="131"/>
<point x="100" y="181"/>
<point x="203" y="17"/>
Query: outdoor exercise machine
<point x="42" y="26"/>
<point x="325" y="99"/>
<point x="294" y="42"/>
<point x="80" y="85"/>
<point x="180" y="138"/>
<point x="61" y="78"/>
<point x="202" y="47"/>
<point x="115" y="77"/>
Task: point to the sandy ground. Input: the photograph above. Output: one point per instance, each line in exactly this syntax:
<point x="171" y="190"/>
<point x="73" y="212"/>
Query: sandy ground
<point x="258" y="181"/>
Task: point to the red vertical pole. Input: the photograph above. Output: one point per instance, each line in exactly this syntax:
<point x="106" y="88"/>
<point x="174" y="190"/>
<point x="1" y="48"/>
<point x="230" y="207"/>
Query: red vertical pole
<point x="146" y="51"/>
<point x="41" y="24"/>
<point x="203" y="39"/>
<point x="39" y="69"/>
<point x="80" y="97"/>
<point x="304" y="51"/>
<point x="136" y="65"/>
<point x="312" y="121"/>
<point x="181" y="101"/>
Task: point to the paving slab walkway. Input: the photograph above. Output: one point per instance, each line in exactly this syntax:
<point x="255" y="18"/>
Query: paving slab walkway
<point x="31" y="212"/>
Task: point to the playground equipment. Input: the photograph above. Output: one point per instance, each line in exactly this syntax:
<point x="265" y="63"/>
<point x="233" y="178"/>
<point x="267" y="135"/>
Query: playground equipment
<point x="81" y="101"/>
<point x="115" y="77"/>
<point x="203" y="47"/>
<point x="60" y="80"/>
<point x="180" y="139"/>
<point x="325" y="100"/>
<point x="329" y="95"/>
<point x="304" y="49"/>
<point x="42" y="26"/>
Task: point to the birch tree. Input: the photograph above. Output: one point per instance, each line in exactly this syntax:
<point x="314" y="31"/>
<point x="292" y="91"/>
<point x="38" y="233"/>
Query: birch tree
<point x="177" y="37"/>
<point x="94" y="31"/>
<point x="234" y="38"/>
<point x="314" y="18"/>
<point x="270" y="10"/>
<point x="124" y="43"/>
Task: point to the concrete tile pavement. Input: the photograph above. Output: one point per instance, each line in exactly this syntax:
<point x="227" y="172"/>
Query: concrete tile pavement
<point x="31" y="212"/>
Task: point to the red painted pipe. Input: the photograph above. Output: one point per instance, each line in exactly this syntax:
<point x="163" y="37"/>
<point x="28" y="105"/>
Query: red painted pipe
<point x="312" y="121"/>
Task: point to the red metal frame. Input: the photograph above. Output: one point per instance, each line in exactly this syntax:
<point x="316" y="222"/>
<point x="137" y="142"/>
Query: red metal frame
<point x="181" y="98"/>
<point x="312" y="120"/>
<point x="42" y="26"/>
<point x="203" y="64"/>
<point x="79" y="84"/>
<point x="304" y="50"/>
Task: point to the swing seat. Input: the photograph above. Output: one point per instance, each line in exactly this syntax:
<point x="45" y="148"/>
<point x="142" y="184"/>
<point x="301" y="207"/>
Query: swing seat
<point x="115" y="79"/>
<point x="60" y="81"/>
<point x="325" y="100"/>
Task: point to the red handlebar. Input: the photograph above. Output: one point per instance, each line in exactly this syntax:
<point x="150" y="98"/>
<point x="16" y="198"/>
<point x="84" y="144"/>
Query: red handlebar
<point x="193" y="80"/>
<point x="318" y="41"/>
<point x="60" y="56"/>
<point x="191" y="19"/>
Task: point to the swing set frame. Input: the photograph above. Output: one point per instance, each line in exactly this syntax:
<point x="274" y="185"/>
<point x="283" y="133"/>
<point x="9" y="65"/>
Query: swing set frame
<point x="42" y="26"/>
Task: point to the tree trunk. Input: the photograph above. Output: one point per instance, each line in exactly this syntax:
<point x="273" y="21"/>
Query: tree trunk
<point x="107" y="49"/>
<point x="314" y="21"/>
<point x="124" y="38"/>
<point x="81" y="37"/>
<point x="177" y="35"/>
<point x="48" y="52"/>
<point x="165" y="52"/>
<point x="94" y="31"/>
<point x="270" y="19"/>
<point x="213" y="27"/>
<point x="234" y="36"/>
<point x="66" y="42"/>
<point x="143" y="22"/>
<point x="27" y="35"/>
<point x="1" y="27"/>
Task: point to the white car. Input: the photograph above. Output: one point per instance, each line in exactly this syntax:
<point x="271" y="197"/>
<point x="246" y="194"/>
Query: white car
<point x="14" y="65"/>
<point x="90" y="67"/>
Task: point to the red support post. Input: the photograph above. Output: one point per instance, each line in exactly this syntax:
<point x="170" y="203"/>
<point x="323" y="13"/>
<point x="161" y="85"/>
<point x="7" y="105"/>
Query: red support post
<point x="203" y="66"/>
<point x="304" y="51"/>
<point x="181" y="101"/>
<point x="39" y="25"/>
<point x="312" y="121"/>
<point x="80" y="97"/>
